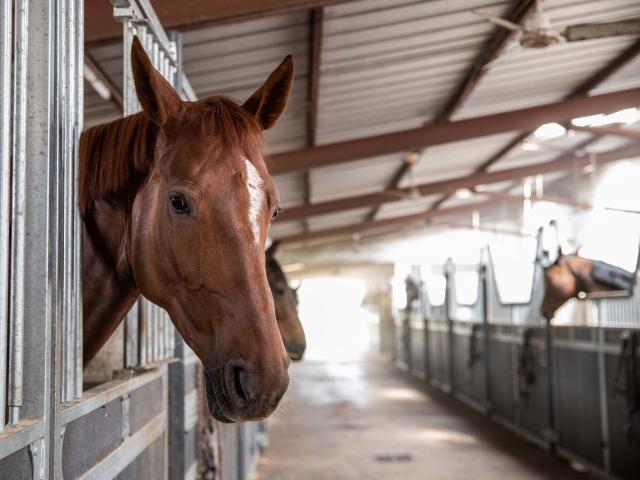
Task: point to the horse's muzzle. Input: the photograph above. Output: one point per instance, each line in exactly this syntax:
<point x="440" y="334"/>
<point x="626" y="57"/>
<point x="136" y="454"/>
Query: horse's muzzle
<point x="295" y="350"/>
<point x="239" y="394"/>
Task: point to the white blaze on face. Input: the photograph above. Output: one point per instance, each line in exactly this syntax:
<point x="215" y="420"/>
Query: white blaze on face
<point x="256" y="196"/>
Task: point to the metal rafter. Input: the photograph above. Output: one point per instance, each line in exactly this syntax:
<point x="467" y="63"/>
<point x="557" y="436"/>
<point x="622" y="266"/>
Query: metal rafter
<point x="189" y="14"/>
<point x="490" y="51"/>
<point x="583" y="89"/>
<point x="564" y="162"/>
<point x="374" y="224"/>
<point x="316" y="17"/>
<point x="441" y="133"/>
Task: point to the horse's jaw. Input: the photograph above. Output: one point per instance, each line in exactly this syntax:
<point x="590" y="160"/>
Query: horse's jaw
<point x="107" y="294"/>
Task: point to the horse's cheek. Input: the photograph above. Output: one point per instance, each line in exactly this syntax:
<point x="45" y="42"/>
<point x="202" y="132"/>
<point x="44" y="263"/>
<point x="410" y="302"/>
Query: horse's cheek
<point x="185" y="248"/>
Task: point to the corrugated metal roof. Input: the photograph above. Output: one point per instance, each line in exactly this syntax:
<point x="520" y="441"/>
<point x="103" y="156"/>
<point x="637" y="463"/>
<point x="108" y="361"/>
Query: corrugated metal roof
<point x="393" y="65"/>
<point x="389" y="65"/>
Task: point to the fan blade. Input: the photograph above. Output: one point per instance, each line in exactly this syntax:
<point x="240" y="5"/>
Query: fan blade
<point x="589" y="31"/>
<point x="498" y="21"/>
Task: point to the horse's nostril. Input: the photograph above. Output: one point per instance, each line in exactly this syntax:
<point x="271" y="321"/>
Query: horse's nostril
<point x="238" y="381"/>
<point x="238" y="375"/>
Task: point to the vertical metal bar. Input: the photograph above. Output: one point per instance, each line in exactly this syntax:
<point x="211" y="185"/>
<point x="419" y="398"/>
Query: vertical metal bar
<point x="154" y="332"/>
<point x="77" y="121"/>
<point x="16" y="307"/>
<point x="68" y="207"/>
<point x="604" y="397"/>
<point x="155" y="54"/>
<point x="5" y="190"/>
<point x="486" y="354"/>
<point x="129" y="108"/>
<point x="54" y="376"/>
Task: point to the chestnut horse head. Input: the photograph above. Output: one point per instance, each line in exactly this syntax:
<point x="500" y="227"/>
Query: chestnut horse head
<point x="572" y="276"/>
<point x="286" y="303"/>
<point x="176" y="203"/>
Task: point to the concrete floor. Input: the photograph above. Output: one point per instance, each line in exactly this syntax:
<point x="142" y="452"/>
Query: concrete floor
<point x="365" y="421"/>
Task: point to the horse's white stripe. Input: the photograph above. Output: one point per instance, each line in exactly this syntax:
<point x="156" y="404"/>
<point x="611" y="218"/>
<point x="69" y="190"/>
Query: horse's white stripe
<point x="254" y="188"/>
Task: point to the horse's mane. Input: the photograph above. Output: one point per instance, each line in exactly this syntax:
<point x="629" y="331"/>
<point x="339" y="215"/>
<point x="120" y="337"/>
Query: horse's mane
<point x="116" y="156"/>
<point x="112" y="155"/>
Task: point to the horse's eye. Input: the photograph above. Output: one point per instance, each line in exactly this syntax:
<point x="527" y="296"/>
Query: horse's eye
<point x="279" y="290"/>
<point x="179" y="204"/>
<point x="275" y="213"/>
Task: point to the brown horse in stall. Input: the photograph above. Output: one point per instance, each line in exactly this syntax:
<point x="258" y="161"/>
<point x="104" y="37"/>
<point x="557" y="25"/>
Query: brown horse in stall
<point x="286" y="303"/>
<point x="572" y="276"/>
<point x="176" y="202"/>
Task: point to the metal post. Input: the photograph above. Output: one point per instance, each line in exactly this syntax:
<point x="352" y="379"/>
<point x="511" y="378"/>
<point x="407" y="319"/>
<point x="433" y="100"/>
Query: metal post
<point x="484" y="285"/>
<point x="78" y="123"/>
<point x="5" y="189"/>
<point x="604" y="397"/>
<point x="129" y="108"/>
<point x="17" y="286"/>
<point x="449" y="295"/>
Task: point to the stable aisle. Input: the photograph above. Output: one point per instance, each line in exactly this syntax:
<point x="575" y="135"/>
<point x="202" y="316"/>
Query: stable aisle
<point x="366" y="420"/>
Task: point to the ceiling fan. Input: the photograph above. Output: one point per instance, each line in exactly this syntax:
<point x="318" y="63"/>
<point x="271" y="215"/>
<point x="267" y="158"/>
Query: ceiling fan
<point x="411" y="192"/>
<point x="537" y="31"/>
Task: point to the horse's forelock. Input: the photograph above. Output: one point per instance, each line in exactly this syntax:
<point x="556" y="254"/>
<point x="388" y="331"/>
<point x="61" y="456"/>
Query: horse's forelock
<point x="232" y="127"/>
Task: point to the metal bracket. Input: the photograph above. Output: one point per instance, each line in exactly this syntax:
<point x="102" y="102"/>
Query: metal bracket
<point x="36" y="452"/>
<point x="123" y="14"/>
<point x="126" y="426"/>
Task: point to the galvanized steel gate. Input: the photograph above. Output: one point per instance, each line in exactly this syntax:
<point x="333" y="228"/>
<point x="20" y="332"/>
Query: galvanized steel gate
<point x="569" y="388"/>
<point x="143" y="423"/>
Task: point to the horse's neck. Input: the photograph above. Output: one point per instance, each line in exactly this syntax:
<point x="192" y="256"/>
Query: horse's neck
<point x="581" y="269"/>
<point x="108" y="289"/>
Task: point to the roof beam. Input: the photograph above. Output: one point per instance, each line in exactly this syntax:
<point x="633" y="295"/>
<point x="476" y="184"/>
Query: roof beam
<point x="490" y="51"/>
<point x="188" y="14"/>
<point x="373" y="224"/>
<point x="628" y="54"/>
<point x="555" y="199"/>
<point x="564" y="162"/>
<point x="581" y="90"/>
<point x="316" y="17"/>
<point x="437" y="134"/>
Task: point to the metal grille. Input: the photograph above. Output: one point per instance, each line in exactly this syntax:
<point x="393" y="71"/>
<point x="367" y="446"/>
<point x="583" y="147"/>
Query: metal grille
<point x="21" y="221"/>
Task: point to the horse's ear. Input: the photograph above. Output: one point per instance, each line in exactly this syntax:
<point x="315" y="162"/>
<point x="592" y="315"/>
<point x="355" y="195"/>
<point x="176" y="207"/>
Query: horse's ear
<point x="158" y="98"/>
<point x="268" y="102"/>
<point x="273" y="248"/>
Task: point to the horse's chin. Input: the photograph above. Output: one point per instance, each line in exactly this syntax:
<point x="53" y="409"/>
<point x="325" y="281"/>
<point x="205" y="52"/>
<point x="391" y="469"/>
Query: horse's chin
<point x="215" y="408"/>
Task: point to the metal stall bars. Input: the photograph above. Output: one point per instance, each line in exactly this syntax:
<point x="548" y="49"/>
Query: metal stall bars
<point x="467" y="337"/>
<point x="19" y="204"/>
<point x="520" y="359"/>
<point x="40" y="93"/>
<point x="594" y="337"/>
<point x="416" y="334"/>
<point x="437" y="338"/>
<point x="5" y="192"/>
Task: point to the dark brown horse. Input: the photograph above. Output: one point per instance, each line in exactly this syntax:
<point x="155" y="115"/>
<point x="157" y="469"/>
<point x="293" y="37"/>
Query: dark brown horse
<point x="285" y="300"/>
<point x="572" y="276"/>
<point x="176" y="202"/>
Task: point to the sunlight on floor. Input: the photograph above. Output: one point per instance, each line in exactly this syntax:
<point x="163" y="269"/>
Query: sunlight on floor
<point x="402" y="394"/>
<point x="445" y="436"/>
